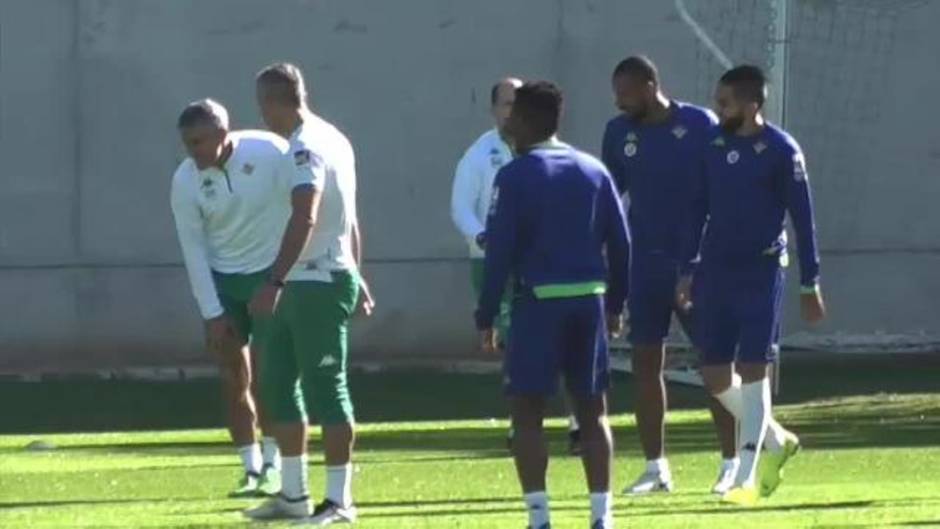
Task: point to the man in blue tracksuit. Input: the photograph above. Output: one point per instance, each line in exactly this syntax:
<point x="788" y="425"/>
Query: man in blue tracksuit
<point x="753" y="175"/>
<point x="652" y="150"/>
<point x="556" y="227"/>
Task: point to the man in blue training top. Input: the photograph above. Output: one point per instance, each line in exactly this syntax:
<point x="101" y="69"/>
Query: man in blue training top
<point x="753" y="174"/>
<point x="554" y="214"/>
<point x="652" y="150"/>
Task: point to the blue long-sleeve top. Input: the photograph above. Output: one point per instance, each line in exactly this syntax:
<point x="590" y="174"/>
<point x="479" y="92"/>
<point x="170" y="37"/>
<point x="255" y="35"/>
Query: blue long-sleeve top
<point x="654" y="164"/>
<point x="739" y="202"/>
<point x="555" y="221"/>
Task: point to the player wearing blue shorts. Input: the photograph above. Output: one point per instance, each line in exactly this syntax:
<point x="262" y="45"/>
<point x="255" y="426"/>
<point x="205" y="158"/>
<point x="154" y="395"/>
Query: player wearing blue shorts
<point x="753" y="174"/>
<point x="652" y="150"/>
<point x="554" y="213"/>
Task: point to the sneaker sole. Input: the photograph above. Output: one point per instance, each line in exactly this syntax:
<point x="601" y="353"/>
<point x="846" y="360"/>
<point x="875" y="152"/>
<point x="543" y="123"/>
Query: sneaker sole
<point x="768" y="490"/>
<point x="662" y="489"/>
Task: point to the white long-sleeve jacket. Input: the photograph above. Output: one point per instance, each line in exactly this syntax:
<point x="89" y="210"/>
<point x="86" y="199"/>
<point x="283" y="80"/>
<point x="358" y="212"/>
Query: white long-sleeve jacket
<point x="231" y="220"/>
<point x="473" y="186"/>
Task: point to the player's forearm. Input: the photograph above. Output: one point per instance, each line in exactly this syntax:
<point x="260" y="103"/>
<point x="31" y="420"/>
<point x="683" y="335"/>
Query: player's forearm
<point x="296" y="237"/>
<point x="195" y="252"/>
<point x="495" y="277"/>
<point x="692" y="223"/>
<point x="809" y="258"/>
<point x="690" y="244"/>
<point x="618" y="280"/>
<point x="804" y="226"/>
<point x="496" y="271"/>
<point x="357" y="244"/>
<point x="201" y="282"/>
<point x="466" y="220"/>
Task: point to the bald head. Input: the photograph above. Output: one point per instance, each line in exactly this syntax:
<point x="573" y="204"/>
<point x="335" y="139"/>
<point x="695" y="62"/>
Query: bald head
<point x="502" y="96"/>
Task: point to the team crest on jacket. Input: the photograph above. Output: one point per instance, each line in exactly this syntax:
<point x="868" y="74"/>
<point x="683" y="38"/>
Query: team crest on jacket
<point x="496" y="161"/>
<point x="679" y="131"/>
<point x="208" y="188"/>
<point x="733" y="157"/>
<point x="760" y="147"/>
<point x="630" y="149"/>
<point x="248" y="168"/>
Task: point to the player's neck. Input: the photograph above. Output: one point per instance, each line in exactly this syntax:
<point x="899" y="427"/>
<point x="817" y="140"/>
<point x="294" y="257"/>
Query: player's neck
<point x="752" y="127"/>
<point x="228" y="147"/>
<point x="660" y="111"/>
<point x="292" y="123"/>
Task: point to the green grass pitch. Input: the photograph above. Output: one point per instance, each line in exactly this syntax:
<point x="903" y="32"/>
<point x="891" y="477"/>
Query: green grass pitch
<point x="870" y="460"/>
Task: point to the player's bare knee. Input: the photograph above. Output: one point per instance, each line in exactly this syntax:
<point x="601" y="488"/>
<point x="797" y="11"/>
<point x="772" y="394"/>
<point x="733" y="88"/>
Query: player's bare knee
<point x="753" y="372"/>
<point x="717" y="379"/>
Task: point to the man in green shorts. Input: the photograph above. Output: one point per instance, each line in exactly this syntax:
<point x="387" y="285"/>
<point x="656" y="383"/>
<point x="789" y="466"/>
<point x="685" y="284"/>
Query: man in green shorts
<point x="226" y="203"/>
<point x="313" y="290"/>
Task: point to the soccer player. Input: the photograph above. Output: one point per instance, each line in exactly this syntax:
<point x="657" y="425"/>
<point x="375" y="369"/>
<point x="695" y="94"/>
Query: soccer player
<point x="312" y="292"/>
<point x="753" y="175"/>
<point x="225" y="201"/>
<point x="554" y="214"/>
<point x="470" y="202"/>
<point x="652" y="150"/>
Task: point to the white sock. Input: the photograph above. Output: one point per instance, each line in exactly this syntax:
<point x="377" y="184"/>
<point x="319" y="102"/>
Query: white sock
<point x="776" y="435"/>
<point x="731" y="399"/>
<point x="658" y="466"/>
<point x="730" y="464"/>
<point x="572" y="423"/>
<point x="294" y="478"/>
<point x="251" y="458"/>
<point x="537" y="505"/>
<point x="339" y="484"/>
<point x="602" y="508"/>
<point x="270" y="452"/>
<point x="756" y="399"/>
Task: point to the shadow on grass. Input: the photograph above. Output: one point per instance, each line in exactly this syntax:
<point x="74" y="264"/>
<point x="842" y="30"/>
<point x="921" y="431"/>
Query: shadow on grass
<point x="858" y="423"/>
<point x="88" y="405"/>
<point x="622" y="512"/>
<point x="78" y="503"/>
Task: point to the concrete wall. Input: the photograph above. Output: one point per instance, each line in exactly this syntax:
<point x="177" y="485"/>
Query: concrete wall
<point x="90" y="89"/>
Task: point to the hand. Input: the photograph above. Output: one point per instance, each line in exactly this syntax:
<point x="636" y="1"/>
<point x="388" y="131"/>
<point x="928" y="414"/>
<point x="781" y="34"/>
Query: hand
<point x="489" y="341"/>
<point x="219" y="332"/>
<point x="684" y="293"/>
<point x="264" y="302"/>
<point x="615" y="325"/>
<point x="481" y="240"/>
<point x="812" y="307"/>
<point x="366" y="302"/>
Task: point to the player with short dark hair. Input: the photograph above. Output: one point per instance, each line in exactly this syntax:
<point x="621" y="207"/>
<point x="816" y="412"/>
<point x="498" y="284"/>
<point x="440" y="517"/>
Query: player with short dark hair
<point x="225" y="201"/>
<point x="313" y="289"/>
<point x="753" y="175"/>
<point x="652" y="150"/>
<point x="470" y="204"/>
<point x="556" y="227"/>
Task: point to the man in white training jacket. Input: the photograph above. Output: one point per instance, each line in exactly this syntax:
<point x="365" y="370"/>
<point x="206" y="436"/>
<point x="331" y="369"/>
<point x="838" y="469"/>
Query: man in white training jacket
<point x="227" y="200"/>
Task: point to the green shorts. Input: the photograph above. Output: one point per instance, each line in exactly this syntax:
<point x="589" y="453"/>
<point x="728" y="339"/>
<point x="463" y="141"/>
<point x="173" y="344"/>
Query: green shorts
<point x="235" y="293"/>
<point x="505" y="308"/>
<point x="303" y="367"/>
